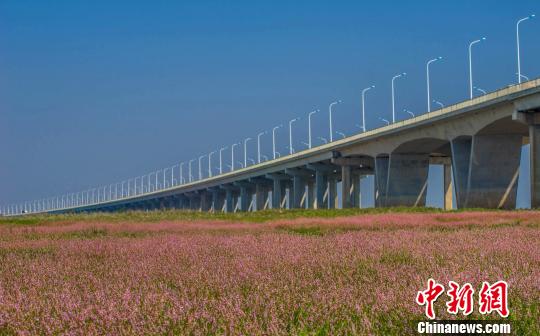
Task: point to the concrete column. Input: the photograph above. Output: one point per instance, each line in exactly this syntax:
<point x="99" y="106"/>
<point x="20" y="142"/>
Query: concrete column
<point x="321" y="186"/>
<point x="218" y="200"/>
<point x="493" y="171"/>
<point x="407" y="180"/>
<point x="194" y="202"/>
<point x="447" y="182"/>
<point x="534" y="139"/>
<point x="245" y="198"/>
<point x="461" y="155"/>
<point x="205" y="201"/>
<point x="346" y="201"/>
<point x="354" y="191"/>
<point x="311" y="194"/>
<point x="229" y="201"/>
<point x="286" y="190"/>
<point x="276" y="194"/>
<point x="298" y="190"/>
<point x="381" y="179"/>
<point x="261" y="196"/>
<point x="332" y="193"/>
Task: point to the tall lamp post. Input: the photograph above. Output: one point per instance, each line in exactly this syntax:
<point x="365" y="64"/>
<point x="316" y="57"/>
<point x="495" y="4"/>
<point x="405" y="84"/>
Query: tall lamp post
<point x="200" y="169"/>
<point x="427" y="81"/>
<point x="181" y="172"/>
<point x="517" y="42"/>
<point x="274" y="140"/>
<point x="290" y="134"/>
<point x="190" y="170"/>
<point x="393" y="95"/>
<point x="364" y="106"/>
<point x="259" y="146"/>
<point x="245" y="151"/>
<point x="221" y="159"/>
<point x="309" y="126"/>
<point x="232" y="155"/>
<point x="470" y="65"/>
<point x="330" y="118"/>
<point x="210" y="163"/>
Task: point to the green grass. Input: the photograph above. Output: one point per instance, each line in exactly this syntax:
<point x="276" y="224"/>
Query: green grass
<point x="184" y="215"/>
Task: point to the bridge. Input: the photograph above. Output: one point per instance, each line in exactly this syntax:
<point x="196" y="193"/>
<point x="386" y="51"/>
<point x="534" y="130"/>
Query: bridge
<point x="478" y="142"/>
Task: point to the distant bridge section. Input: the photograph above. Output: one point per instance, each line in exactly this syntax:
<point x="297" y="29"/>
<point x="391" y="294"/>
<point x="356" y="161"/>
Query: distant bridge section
<point x="478" y="142"/>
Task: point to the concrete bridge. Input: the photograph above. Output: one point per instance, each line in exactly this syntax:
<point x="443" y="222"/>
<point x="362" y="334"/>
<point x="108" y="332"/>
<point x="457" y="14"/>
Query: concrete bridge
<point x="477" y="141"/>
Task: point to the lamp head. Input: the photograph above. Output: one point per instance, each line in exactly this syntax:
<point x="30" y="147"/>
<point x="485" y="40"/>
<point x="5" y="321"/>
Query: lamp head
<point x="373" y="86"/>
<point x="440" y="58"/>
<point x="532" y="15"/>
<point x="404" y="74"/>
<point x="483" y="38"/>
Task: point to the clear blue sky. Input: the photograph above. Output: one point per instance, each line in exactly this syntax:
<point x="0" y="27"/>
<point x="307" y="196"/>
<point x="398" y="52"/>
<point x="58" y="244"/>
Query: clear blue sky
<point x="93" y="92"/>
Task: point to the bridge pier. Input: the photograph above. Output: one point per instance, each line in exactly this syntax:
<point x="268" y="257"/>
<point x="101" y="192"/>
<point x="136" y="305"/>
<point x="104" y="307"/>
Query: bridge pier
<point x="493" y="171"/>
<point x="218" y="199"/>
<point x="527" y="113"/>
<point x="407" y="180"/>
<point x="299" y="177"/>
<point x="279" y="192"/>
<point x="534" y="139"/>
<point x="246" y="195"/>
<point x="262" y="187"/>
<point x="461" y="155"/>
<point x="381" y="180"/>
<point x="321" y="183"/>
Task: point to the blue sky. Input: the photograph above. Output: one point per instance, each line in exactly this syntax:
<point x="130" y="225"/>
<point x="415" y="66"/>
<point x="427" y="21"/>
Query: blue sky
<point x="94" y="92"/>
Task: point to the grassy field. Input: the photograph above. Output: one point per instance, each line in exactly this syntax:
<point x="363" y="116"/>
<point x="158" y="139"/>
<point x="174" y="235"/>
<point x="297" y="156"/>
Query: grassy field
<point x="326" y="272"/>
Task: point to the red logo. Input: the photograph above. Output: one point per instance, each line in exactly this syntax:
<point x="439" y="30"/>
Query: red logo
<point x="460" y="298"/>
<point x="494" y="298"/>
<point x="490" y="298"/>
<point x="429" y="296"/>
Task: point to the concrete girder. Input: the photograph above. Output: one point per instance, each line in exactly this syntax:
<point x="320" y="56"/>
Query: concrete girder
<point x="445" y="130"/>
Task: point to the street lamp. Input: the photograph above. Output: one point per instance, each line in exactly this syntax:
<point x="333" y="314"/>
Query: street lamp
<point x="290" y="134"/>
<point x="470" y="65"/>
<point x="259" y="146"/>
<point x="245" y="151"/>
<point x="190" y="170"/>
<point x="232" y="155"/>
<point x="323" y="139"/>
<point x="517" y="42"/>
<point x="342" y="134"/>
<point x="523" y="76"/>
<point x="274" y="140"/>
<point x="210" y="163"/>
<point x="181" y="173"/>
<point x="309" y="126"/>
<point x="330" y="117"/>
<point x="364" y="106"/>
<point x="386" y="121"/>
<point x="200" y="170"/>
<point x="393" y="95"/>
<point x="427" y="81"/>
<point x="438" y="103"/>
<point x="479" y="89"/>
<point x="221" y="159"/>
<point x="409" y="112"/>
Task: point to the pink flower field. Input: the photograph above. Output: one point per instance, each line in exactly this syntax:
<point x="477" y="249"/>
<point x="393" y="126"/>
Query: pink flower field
<point x="333" y="276"/>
